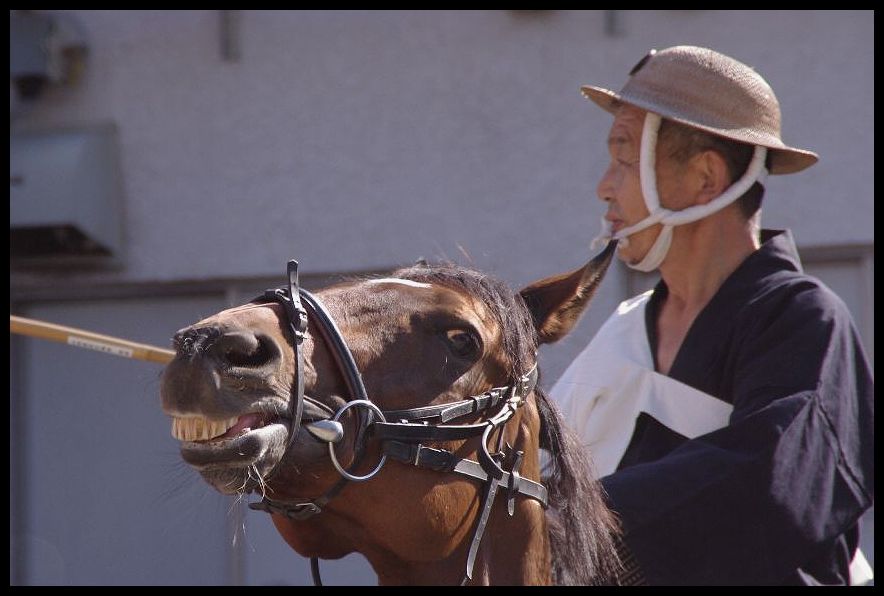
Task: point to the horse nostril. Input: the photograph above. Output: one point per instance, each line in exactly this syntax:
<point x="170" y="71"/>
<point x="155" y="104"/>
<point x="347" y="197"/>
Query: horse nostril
<point x="191" y="341"/>
<point x="245" y="349"/>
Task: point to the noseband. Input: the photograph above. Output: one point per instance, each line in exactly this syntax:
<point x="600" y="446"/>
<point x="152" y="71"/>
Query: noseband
<point x="401" y="432"/>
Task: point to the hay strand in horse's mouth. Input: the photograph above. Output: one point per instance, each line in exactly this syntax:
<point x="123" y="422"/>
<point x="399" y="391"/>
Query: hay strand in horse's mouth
<point x="86" y="339"/>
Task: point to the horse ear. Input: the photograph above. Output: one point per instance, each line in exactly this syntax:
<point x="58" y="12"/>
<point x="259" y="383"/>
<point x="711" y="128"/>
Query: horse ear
<point x="557" y="302"/>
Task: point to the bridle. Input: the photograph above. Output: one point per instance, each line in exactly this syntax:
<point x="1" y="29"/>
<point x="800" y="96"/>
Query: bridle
<point x="401" y="432"/>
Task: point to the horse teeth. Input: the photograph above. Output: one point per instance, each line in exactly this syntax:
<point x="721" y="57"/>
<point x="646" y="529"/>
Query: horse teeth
<point x="197" y="428"/>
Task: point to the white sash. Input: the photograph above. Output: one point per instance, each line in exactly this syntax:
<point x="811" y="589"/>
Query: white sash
<point x="613" y="380"/>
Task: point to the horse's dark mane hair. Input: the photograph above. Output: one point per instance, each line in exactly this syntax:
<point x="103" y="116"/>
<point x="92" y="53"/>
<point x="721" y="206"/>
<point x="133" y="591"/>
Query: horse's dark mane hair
<point x="582" y="529"/>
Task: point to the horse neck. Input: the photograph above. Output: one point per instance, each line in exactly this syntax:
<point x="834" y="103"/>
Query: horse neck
<point x="517" y="551"/>
<point x="513" y="551"/>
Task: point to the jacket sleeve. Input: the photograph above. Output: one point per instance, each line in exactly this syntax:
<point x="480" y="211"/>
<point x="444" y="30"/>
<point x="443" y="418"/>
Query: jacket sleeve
<point x="760" y="500"/>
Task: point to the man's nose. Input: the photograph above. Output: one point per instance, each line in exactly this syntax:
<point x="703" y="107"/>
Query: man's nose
<point x="604" y="190"/>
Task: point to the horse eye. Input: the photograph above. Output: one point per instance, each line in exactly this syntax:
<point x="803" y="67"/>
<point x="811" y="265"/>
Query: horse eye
<point x="463" y="343"/>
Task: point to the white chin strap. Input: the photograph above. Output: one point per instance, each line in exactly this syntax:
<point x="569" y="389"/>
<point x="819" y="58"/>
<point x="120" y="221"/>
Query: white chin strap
<point x="670" y="219"/>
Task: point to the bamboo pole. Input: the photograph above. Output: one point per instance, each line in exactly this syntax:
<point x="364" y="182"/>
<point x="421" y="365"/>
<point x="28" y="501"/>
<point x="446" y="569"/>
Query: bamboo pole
<point x="89" y="340"/>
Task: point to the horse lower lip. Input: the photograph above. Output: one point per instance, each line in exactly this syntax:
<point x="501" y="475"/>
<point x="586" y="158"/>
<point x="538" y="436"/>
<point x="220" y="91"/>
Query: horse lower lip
<point x="235" y="451"/>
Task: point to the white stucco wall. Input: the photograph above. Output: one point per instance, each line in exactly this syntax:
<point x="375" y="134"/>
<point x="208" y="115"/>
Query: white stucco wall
<point x="357" y="140"/>
<point x="363" y="139"/>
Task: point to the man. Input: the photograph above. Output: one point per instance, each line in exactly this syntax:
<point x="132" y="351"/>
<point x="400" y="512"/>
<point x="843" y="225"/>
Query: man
<point x="729" y="411"/>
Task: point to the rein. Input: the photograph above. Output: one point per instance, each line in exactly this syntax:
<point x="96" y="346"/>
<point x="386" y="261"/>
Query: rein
<point x="401" y="432"/>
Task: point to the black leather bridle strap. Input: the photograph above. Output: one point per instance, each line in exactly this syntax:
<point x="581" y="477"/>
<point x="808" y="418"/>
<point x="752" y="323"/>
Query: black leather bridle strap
<point x="446" y="412"/>
<point x="335" y="341"/>
<point x="472" y="405"/>
<point x="488" y="502"/>
<point x="418" y="432"/>
<point x="299" y="511"/>
<point x="297" y="317"/>
<point x="442" y="460"/>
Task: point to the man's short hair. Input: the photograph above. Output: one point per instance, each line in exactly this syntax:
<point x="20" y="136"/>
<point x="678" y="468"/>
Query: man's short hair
<point x="683" y="142"/>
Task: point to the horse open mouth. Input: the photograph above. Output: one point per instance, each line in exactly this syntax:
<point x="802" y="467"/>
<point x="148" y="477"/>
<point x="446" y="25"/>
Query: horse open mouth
<point x="236" y="442"/>
<point x="251" y="438"/>
<point x="202" y="430"/>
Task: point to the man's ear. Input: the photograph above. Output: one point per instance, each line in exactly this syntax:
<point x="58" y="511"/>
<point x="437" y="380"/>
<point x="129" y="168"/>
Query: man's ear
<point x="713" y="176"/>
<point x="557" y="302"/>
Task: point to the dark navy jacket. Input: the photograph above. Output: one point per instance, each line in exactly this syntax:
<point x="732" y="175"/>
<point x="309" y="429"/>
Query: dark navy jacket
<point x="774" y="497"/>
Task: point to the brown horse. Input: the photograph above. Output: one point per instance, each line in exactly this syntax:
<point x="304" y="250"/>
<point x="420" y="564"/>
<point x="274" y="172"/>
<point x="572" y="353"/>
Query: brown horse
<point x="400" y="418"/>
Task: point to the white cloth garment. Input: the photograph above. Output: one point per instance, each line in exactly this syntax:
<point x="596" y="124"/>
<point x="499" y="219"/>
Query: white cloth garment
<point x="613" y="380"/>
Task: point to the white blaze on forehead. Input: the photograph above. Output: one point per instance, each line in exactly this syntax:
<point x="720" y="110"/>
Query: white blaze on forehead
<point x="396" y="280"/>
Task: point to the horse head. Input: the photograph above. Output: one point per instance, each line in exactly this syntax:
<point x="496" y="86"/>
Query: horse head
<point x="447" y="421"/>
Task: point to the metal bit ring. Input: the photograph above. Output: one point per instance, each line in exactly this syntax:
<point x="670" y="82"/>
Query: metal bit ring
<point x="331" y="446"/>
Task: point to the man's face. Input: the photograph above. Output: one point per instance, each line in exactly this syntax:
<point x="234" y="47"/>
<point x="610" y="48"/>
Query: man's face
<point x="620" y="187"/>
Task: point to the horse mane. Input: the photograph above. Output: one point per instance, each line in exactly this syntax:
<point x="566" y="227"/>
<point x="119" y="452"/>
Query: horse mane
<point x="582" y="529"/>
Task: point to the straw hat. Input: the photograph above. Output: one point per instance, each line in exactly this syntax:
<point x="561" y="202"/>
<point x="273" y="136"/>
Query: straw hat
<point x="704" y="89"/>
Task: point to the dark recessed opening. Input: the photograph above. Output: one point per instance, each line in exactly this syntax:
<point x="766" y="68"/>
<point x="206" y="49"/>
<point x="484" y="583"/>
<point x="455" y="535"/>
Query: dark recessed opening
<point x="53" y="241"/>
